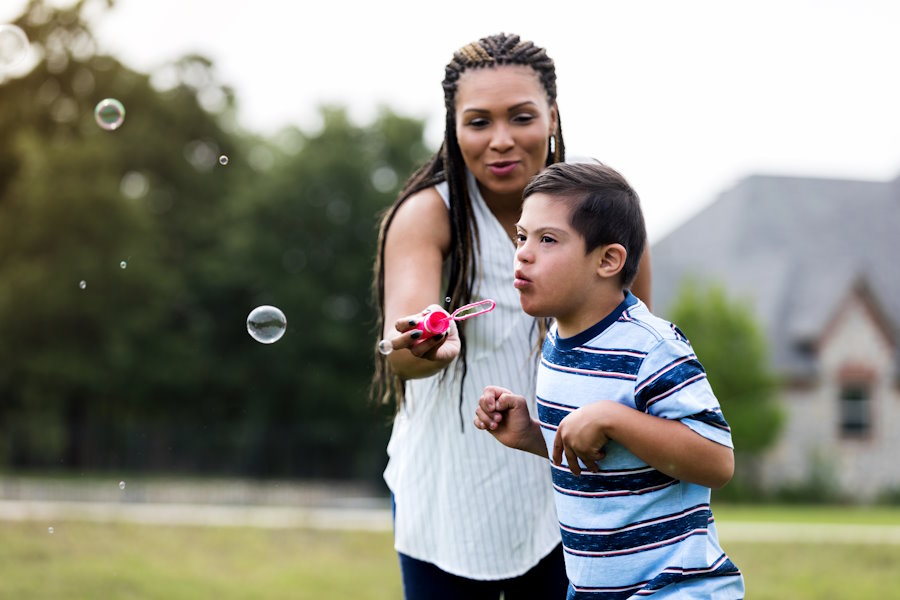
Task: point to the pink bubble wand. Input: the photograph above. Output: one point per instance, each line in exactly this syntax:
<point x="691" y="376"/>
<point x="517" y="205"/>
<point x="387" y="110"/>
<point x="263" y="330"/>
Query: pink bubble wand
<point x="436" y="321"/>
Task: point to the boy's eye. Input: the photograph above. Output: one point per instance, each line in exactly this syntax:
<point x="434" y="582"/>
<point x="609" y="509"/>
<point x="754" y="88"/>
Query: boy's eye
<point x="546" y="239"/>
<point x="520" y="239"/>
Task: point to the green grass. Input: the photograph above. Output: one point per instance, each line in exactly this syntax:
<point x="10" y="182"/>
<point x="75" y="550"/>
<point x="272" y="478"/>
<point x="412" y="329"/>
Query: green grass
<point x="125" y="561"/>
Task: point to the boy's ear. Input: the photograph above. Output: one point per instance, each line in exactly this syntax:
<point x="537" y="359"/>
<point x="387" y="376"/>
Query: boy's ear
<point x="611" y="260"/>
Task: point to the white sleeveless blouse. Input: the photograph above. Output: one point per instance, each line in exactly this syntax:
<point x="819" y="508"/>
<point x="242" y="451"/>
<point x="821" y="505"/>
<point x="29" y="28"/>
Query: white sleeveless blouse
<point x="465" y="502"/>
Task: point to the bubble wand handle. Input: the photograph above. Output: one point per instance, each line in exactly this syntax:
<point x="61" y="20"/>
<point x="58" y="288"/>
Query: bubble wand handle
<point x="468" y="311"/>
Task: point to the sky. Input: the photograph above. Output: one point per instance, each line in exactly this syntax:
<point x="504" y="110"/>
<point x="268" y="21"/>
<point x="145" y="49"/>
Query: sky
<point x="684" y="98"/>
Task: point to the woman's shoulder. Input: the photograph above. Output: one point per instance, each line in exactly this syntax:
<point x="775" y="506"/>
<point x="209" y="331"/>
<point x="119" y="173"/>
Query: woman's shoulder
<point x="424" y="207"/>
<point x="427" y="199"/>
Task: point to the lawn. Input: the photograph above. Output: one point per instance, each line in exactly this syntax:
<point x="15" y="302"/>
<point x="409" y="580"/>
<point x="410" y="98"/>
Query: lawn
<point x="82" y="560"/>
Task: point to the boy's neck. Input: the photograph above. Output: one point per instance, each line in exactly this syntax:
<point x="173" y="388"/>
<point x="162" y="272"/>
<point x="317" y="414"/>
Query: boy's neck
<point x="594" y="312"/>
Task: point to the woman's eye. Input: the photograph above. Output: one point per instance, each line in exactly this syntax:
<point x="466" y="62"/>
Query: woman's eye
<point x="520" y="239"/>
<point x="546" y="239"/>
<point x="478" y="123"/>
<point x="523" y="118"/>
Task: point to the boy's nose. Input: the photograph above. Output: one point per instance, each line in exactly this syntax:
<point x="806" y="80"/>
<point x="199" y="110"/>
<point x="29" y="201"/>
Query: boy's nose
<point x="522" y="254"/>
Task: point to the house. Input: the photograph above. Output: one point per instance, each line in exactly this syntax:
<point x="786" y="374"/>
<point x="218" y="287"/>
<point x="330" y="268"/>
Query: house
<point x="819" y="262"/>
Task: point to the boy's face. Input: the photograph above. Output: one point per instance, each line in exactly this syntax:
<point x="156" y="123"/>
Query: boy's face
<point x="554" y="276"/>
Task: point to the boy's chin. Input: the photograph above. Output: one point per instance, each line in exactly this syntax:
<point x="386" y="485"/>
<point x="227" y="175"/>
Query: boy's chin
<point x="532" y="310"/>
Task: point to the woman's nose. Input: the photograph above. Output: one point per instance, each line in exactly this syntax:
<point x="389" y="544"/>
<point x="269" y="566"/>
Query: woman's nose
<point x="502" y="139"/>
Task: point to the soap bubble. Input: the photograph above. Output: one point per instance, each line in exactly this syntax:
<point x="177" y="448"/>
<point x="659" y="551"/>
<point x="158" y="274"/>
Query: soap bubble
<point x="123" y="264"/>
<point x="50" y="530"/>
<point x="447" y="300"/>
<point x="13" y="45"/>
<point x="385" y="347"/>
<point x="266" y="324"/>
<point x="109" y="114"/>
<point x="82" y="284"/>
<point x="223" y="160"/>
<point x="121" y="485"/>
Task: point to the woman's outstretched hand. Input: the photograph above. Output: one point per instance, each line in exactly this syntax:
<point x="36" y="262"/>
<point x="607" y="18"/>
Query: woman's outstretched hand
<point x="442" y="348"/>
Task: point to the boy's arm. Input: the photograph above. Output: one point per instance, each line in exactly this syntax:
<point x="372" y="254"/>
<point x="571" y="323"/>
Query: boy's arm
<point x="667" y="445"/>
<point x="505" y="416"/>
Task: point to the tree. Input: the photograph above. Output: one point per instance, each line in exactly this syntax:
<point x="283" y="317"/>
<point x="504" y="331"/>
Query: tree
<point x="149" y="365"/>
<point x="733" y="351"/>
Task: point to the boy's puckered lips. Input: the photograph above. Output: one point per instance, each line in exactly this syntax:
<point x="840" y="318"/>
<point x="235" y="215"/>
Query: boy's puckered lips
<point x="521" y="281"/>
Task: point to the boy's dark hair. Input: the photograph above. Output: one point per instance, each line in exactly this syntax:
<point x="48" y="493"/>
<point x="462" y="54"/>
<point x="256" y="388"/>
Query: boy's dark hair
<point x="604" y="208"/>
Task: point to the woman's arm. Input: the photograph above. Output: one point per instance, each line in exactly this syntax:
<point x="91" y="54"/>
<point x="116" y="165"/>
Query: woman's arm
<point x="668" y="446"/>
<point x="415" y="245"/>
<point x="642" y="286"/>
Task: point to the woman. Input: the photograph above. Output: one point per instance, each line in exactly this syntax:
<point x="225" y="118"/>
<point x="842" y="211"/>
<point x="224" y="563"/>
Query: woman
<point x="449" y="239"/>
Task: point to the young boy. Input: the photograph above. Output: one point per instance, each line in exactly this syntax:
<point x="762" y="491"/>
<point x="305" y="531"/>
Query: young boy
<point x="625" y="411"/>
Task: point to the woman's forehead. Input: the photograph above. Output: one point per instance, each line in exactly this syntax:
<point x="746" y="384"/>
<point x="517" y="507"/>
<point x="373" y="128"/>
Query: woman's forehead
<point x="516" y="83"/>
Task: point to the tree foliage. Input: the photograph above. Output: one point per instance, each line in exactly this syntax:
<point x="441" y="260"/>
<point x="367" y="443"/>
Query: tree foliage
<point x="732" y="349"/>
<point x="149" y="366"/>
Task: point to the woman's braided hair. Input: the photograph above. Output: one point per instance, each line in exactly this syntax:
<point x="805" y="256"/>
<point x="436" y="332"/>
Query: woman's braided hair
<point x="447" y="165"/>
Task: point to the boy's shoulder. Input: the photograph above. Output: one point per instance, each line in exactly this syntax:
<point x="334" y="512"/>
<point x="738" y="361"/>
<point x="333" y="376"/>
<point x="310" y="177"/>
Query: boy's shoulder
<point x="649" y="327"/>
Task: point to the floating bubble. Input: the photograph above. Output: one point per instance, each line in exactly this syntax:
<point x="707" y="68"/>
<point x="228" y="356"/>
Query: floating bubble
<point x="13" y="45"/>
<point x="109" y="114"/>
<point x="266" y="324"/>
<point x="123" y="264"/>
<point x="385" y="347"/>
<point x="223" y="160"/>
<point x="82" y="284"/>
<point x="121" y="485"/>
<point x="50" y="530"/>
<point x="447" y="300"/>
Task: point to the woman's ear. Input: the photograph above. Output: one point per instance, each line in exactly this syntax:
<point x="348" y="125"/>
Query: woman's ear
<point x="611" y="260"/>
<point x="554" y="119"/>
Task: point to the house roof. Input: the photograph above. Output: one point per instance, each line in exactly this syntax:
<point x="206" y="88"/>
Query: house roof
<point x="795" y="248"/>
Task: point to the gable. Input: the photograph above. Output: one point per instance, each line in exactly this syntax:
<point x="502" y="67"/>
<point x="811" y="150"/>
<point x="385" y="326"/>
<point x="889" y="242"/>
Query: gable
<point x="792" y="247"/>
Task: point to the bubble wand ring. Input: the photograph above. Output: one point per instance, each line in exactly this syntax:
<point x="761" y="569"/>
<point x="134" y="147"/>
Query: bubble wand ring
<point x="436" y="321"/>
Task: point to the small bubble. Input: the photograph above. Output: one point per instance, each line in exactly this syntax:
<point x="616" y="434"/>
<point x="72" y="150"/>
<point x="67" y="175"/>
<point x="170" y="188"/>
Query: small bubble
<point x="109" y="114"/>
<point x="223" y="160"/>
<point x="121" y="485"/>
<point x="50" y="530"/>
<point x="447" y="300"/>
<point x="123" y="264"/>
<point x="266" y="324"/>
<point x="82" y="284"/>
<point x="385" y="347"/>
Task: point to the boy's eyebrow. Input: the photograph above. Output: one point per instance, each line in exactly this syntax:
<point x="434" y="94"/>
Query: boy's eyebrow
<point x="543" y="228"/>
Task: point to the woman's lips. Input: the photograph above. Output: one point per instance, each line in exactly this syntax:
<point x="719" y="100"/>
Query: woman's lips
<point x="501" y="169"/>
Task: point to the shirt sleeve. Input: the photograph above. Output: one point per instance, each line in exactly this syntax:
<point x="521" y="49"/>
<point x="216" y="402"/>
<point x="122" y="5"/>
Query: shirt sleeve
<point x="672" y="384"/>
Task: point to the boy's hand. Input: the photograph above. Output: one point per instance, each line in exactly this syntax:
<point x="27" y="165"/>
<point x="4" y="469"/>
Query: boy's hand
<point x="580" y="435"/>
<point x="505" y="416"/>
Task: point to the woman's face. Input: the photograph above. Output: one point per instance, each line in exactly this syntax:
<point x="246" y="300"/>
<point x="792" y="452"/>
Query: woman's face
<point x="503" y="125"/>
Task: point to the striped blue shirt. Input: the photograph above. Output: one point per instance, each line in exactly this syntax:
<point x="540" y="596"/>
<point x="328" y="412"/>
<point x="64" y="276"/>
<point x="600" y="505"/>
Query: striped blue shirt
<point x="630" y="530"/>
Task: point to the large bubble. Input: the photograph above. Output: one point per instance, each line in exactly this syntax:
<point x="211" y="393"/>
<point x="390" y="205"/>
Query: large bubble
<point x="109" y="114"/>
<point x="13" y="46"/>
<point x="266" y="324"/>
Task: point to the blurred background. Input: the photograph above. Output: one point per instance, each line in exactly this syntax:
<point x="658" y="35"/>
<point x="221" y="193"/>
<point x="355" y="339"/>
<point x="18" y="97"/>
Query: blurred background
<point x="261" y="140"/>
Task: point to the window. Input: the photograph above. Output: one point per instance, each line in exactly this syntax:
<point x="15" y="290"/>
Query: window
<point x="855" y="410"/>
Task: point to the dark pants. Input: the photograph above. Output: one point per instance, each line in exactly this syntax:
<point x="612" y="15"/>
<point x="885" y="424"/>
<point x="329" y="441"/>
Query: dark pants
<point x="424" y="581"/>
